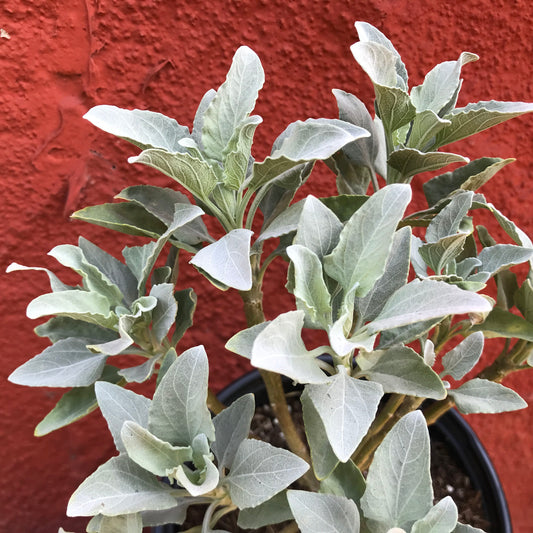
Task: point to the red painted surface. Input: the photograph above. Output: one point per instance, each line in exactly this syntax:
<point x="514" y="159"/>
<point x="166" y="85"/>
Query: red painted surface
<point x="64" y="57"/>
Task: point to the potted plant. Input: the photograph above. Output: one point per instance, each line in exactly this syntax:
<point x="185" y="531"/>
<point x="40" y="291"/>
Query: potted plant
<point x="403" y="300"/>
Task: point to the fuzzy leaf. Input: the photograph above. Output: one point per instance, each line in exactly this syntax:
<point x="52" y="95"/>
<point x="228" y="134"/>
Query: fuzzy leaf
<point x="310" y="290"/>
<point x="73" y="405"/>
<point x="242" y="342"/>
<point x="272" y="511"/>
<point x="360" y="154"/>
<point x="279" y="348"/>
<point x="161" y="203"/>
<point x="409" y="161"/>
<point x="425" y="126"/>
<point x="144" y="129"/>
<point x="502" y="256"/>
<point x="153" y="454"/>
<point x="179" y="412"/>
<point x="448" y="221"/>
<point x="228" y="259"/>
<point x="421" y="301"/>
<point x="394" y="277"/>
<point x="365" y="241"/>
<point x="118" y="405"/>
<point x="346" y="480"/>
<point x="401" y="370"/>
<point x="125" y="217"/>
<point x="67" y="363"/>
<point x="398" y="483"/>
<point x="198" y="122"/>
<point x="323" y="457"/>
<point x="285" y="223"/>
<point x="441" y="518"/>
<point x="323" y="513"/>
<point x="93" y="280"/>
<point x="347" y="407"/>
<point x="318" y="228"/>
<point x="469" y="177"/>
<point x="437" y="255"/>
<point x="63" y="327"/>
<point x="440" y="84"/>
<point x="119" y="487"/>
<point x="501" y="323"/>
<point x="164" y="314"/>
<point x="186" y="300"/>
<point x="477" y="117"/>
<point x="459" y="361"/>
<point x="111" y="268"/>
<point x="523" y="298"/>
<point x="231" y="427"/>
<point x="174" y="515"/>
<point x="238" y="159"/>
<point x="141" y="259"/>
<point x="234" y="101"/>
<point x="260" y="471"/>
<point x="193" y="174"/>
<point x="78" y="304"/>
<point x="368" y="33"/>
<point x="303" y="142"/>
<point x="484" y="396"/>
<point x="208" y="480"/>
<point x="127" y="523"/>
<point x="55" y="283"/>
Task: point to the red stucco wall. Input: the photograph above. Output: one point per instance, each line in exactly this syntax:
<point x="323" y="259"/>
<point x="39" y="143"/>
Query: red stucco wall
<point x="65" y="56"/>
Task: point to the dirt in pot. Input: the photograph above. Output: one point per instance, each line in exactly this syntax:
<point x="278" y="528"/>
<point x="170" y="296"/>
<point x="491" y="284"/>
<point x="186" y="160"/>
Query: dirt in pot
<point x="448" y="477"/>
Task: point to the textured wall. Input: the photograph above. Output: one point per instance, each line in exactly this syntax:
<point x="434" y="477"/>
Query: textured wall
<point x="64" y="57"/>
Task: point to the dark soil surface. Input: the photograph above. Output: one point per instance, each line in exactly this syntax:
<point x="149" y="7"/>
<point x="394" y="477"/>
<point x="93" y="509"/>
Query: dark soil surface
<point x="448" y="477"/>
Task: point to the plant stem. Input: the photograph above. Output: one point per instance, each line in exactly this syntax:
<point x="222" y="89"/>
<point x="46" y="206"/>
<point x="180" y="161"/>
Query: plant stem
<point x="213" y="403"/>
<point x="253" y="309"/>
<point x="363" y="455"/>
<point x="290" y="528"/>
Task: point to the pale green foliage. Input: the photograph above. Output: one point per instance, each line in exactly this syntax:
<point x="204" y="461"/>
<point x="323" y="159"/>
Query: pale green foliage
<point x="350" y="259"/>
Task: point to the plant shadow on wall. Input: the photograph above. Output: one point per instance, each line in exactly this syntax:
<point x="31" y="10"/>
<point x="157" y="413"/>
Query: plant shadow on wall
<point x="394" y="307"/>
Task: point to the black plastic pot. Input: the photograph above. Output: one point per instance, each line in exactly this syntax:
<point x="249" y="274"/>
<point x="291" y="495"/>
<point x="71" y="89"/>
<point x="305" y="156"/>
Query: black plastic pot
<point x="451" y="429"/>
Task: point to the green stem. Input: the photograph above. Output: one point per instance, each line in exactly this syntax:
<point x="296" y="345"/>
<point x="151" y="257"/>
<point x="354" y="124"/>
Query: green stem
<point x="381" y="420"/>
<point x="259" y="195"/>
<point x="364" y="454"/>
<point x="290" y="528"/>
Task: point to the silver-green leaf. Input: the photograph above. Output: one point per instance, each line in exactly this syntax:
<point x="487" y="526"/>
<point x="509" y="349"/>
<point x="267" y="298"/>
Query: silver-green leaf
<point x="234" y="101"/>
<point x="119" y="487"/>
<point x="420" y="301"/>
<point x="179" y="412"/>
<point x="366" y="240"/>
<point x="323" y="513"/>
<point x="67" y="363"/>
<point x="119" y="405"/>
<point x="399" y="487"/>
<point x="145" y="129"/>
<point x="441" y="518"/>
<point x="280" y="348"/>
<point x="228" y="259"/>
<point x="484" y="396"/>
<point x="347" y="407"/>
<point x="260" y="471"/>
<point x="401" y="370"/>
<point x="459" y="361"/>
<point x="232" y="426"/>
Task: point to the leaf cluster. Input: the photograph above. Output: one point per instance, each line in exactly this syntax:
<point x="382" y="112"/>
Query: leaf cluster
<point x="402" y="300"/>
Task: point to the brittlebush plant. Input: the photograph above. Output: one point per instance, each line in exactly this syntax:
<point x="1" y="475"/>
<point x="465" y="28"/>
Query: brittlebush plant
<point x="391" y="305"/>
